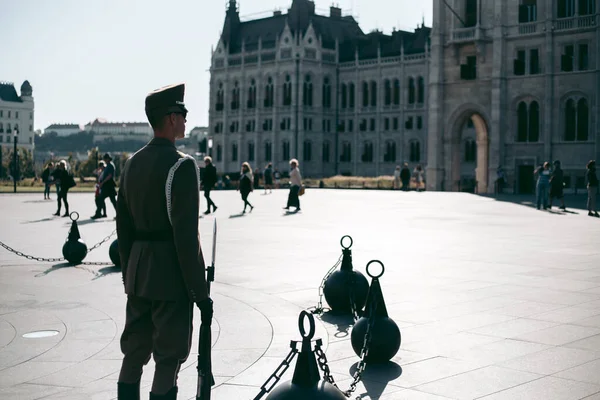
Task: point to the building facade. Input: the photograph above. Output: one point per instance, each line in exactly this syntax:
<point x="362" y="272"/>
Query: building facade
<point x="16" y="114"/>
<point x="507" y="84"/>
<point x="119" y="131"/>
<point x="62" y="130"/>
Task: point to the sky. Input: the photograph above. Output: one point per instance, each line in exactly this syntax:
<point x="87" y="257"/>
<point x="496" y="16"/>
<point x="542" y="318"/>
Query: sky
<point x="88" y="59"/>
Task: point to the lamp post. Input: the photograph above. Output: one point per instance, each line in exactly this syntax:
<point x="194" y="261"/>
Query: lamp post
<point x="15" y="167"/>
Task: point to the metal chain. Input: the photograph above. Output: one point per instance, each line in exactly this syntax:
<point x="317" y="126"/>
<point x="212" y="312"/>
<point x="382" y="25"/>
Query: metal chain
<point x="364" y="352"/>
<point x="49" y="260"/>
<point x="319" y="309"/>
<point x="351" y="282"/>
<point x="362" y="365"/>
<point x="100" y="243"/>
<point x="278" y="373"/>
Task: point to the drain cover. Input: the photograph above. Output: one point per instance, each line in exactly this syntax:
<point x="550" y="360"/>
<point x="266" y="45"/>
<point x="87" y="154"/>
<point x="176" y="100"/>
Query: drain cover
<point x="40" y="334"/>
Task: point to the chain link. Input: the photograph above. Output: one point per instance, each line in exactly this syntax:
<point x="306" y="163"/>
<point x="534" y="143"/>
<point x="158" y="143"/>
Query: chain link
<point x="352" y="299"/>
<point x="319" y="309"/>
<point x="323" y="364"/>
<point x="50" y="260"/>
<point x="278" y="373"/>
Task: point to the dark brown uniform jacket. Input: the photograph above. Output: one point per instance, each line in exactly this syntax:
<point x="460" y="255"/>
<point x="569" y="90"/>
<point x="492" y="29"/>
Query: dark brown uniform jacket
<point x="165" y="270"/>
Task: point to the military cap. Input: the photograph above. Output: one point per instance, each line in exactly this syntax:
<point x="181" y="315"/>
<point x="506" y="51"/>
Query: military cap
<point x="166" y="100"/>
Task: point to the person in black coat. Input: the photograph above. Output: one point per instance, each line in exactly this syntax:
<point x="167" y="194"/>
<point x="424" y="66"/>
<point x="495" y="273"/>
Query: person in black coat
<point x="405" y="177"/>
<point x="64" y="182"/>
<point x="245" y="185"/>
<point x="592" y="187"/>
<point x="46" y="178"/>
<point x="209" y="180"/>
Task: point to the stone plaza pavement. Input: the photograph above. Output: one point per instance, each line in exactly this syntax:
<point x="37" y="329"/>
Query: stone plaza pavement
<point x="494" y="300"/>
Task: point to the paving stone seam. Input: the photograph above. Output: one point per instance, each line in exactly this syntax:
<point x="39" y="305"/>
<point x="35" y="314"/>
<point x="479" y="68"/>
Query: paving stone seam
<point x="14" y="333"/>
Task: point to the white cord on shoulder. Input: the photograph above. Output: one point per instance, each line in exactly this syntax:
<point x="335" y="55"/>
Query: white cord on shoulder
<point x="169" y="184"/>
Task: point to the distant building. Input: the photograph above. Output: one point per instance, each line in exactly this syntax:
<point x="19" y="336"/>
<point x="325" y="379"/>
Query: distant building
<point x="63" y="130"/>
<point x="16" y="113"/>
<point x="195" y="143"/>
<point x="119" y="131"/>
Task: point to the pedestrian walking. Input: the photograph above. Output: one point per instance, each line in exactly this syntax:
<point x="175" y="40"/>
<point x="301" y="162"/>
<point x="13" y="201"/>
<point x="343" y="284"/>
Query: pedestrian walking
<point x="245" y="185"/>
<point x="419" y="178"/>
<point x="295" y="185"/>
<point x="405" y="177"/>
<point x="46" y="178"/>
<point x="543" y="185"/>
<point x="277" y="176"/>
<point x="100" y="205"/>
<point x="161" y="258"/>
<point x="208" y="182"/>
<point x="557" y="184"/>
<point x="108" y="186"/>
<point x="65" y="181"/>
<point x="592" y="188"/>
<point x="397" y="178"/>
<point x="268" y="174"/>
<point x="500" y="180"/>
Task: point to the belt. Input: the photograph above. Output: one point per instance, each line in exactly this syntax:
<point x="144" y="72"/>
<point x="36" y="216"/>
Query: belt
<point x="154" y="236"/>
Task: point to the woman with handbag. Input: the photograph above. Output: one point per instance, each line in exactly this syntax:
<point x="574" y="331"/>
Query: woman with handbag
<point x="245" y="185"/>
<point x="295" y="186"/>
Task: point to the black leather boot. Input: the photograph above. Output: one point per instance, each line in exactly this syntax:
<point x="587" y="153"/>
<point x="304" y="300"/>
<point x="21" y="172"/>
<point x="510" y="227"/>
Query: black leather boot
<point x="170" y="395"/>
<point x="128" y="391"/>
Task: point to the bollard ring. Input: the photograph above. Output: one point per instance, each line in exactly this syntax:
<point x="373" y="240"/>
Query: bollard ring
<point x="74" y="218"/>
<point x="311" y="322"/>
<point x="342" y="242"/>
<point x="382" y="269"/>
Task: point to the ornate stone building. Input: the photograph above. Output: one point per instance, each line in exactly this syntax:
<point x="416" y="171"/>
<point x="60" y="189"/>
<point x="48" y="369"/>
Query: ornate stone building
<point x="16" y="114"/>
<point x="509" y="83"/>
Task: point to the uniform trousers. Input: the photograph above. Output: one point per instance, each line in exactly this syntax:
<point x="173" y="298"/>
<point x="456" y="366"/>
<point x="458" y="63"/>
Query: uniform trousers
<point x="162" y="329"/>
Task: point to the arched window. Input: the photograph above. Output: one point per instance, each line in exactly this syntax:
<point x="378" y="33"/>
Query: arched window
<point x="326" y="93"/>
<point x="411" y="91"/>
<point x="387" y="93"/>
<point x="470" y="151"/>
<point x="522" y="119"/>
<point x="307" y="153"/>
<point x="220" y="97"/>
<point x="269" y="98"/>
<point x="421" y="90"/>
<point x="351" y="94"/>
<point x="396" y="92"/>
<point x="373" y="94"/>
<point x="235" y="96"/>
<point x="344" y="95"/>
<point x="234" y="151"/>
<point x="534" y="122"/>
<point x="326" y="151"/>
<point x="365" y="94"/>
<point x="582" y="120"/>
<point x="415" y="151"/>
<point x="1" y="128"/>
<point x="287" y="91"/>
<point x="308" y="91"/>
<point x="367" y="155"/>
<point x="219" y="152"/>
<point x="346" y="155"/>
<point x="250" y="151"/>
<point x="570" y="120"/>
<point x="268" y="151"/>
<point x="251" y="103"/>
<point x="390" y="151"/>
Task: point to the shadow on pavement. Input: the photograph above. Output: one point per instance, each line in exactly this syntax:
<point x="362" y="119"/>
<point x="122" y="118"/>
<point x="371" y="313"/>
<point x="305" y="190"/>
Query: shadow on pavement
<point x="102" y="272"/>
<point x="240" y="215"/>
<point x="572" y="201"/>
<point x="55" y="267"/>
<point x="93" y="221"/>
<point x="376" y="378"/>
<point x="343" y="322"/>
<point x="288" y="213"/>
<point x="39" y="220"/>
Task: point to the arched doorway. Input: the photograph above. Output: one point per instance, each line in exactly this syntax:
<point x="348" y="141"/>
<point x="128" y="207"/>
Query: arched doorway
<point x="469" y="169"/>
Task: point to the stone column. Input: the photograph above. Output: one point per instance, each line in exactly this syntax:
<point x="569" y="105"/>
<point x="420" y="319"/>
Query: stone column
<point x="435" y="135"/>
<point x="498" y="129"/>
<point x="550" y="102"/>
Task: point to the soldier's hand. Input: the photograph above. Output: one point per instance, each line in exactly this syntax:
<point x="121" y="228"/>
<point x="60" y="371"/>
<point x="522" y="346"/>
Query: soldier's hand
<point x="206" y="309"/>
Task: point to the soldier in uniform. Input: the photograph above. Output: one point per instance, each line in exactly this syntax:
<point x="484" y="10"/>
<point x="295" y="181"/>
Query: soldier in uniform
<point x="162" y="263"/>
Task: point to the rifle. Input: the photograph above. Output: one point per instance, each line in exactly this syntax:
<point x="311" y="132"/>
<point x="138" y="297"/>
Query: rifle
<point x="205" y="376"/>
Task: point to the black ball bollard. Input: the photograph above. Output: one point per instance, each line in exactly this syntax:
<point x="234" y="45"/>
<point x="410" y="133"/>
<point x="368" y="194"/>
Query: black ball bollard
<point x="345" y="284"/>
<point x="113" y="253"/>
<point x="307" y="383"/>
<point x="74" y="250"/>
<point x="385" y="338"/>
